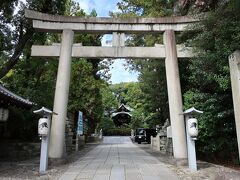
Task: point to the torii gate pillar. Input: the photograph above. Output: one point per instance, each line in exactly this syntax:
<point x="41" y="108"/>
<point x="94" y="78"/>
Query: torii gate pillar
<point x="57" y="137"/>
<point x="234" y="64"/>
<point x="174" y="96"/>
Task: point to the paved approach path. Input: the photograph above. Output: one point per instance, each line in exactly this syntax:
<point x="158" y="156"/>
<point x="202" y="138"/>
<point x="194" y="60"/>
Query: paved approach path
<point x="117" y="158"/>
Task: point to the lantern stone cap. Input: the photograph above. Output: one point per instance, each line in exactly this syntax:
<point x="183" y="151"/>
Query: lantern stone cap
<point x="192" y="111"/>
<point x="44" y="111"/>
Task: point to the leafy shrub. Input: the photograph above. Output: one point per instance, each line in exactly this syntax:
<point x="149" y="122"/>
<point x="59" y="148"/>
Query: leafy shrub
<point x="117" y="132"/>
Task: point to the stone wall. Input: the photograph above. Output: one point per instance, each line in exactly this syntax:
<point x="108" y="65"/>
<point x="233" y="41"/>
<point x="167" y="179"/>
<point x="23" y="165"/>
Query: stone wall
<point x="169" y="147"/>
<point x="163" y="141"/>
<point x="25" y="150"/>
<point x="96" y="137"/>
<point x="19" y="150"/>
<point x="155" y="143"/>
<point x="70" y="134"/>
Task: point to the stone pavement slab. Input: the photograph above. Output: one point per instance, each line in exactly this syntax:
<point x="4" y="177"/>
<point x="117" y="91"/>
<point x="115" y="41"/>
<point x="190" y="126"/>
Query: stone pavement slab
<point x="117" y="158"/>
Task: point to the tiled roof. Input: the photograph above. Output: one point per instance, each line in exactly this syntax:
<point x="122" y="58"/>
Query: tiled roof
<point x="115" y="114"/>
<point x="124" y="107"/>
<point x="13" y="98"/>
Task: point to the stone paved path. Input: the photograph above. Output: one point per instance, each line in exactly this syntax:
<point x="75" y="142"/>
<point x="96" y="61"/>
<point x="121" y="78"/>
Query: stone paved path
<point x="117" y="158"/>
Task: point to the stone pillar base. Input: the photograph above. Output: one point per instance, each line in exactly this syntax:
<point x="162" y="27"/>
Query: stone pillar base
<point x="181" y="161"/>
<point x="81" y="141"/>
<point x="57" y="161"/>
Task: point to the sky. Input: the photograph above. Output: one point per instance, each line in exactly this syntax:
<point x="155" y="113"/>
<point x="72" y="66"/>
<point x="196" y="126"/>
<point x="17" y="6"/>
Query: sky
<point x="101" y="6"/>
<point x="117" y="69"/>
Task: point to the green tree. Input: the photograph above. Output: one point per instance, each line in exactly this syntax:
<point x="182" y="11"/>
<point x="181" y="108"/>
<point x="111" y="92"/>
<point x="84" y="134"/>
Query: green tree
<point x="131" y="94"/>
<point x="16" y="32"/>
<point x="110" y="104"/>
<point x="152" y="8"/>
<point x="216" y="38"/>
<point x="204" y="79"/>
<point x="85" y="93"/>
<point x="152" y="76"/>
<point x="29" y="77"/>
<point x="35" y="78"/>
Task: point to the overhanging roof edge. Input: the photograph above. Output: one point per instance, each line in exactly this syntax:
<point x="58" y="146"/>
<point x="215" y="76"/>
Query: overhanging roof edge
<point x="117" y="113"/>
<point x="5" y="92"/>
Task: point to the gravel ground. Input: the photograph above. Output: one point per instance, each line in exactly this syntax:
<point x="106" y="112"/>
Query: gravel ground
<point x="28" y="169"/>
<point x="206" y="171"/>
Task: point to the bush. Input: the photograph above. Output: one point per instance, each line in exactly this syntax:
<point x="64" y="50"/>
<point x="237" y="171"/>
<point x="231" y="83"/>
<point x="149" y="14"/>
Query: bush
<point x="117" y="132"/>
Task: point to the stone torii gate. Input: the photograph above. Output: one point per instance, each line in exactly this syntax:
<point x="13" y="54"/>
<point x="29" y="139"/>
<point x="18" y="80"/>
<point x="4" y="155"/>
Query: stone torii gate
<point x="118" y="27"/>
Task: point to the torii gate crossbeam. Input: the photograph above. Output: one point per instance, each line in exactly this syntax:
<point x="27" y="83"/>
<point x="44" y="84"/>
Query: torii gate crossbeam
<point x="111" y="52"/>
<point x="118" y="27"/>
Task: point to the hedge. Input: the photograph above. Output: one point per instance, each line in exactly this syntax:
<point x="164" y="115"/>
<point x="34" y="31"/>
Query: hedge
<point x="117" y="132"/>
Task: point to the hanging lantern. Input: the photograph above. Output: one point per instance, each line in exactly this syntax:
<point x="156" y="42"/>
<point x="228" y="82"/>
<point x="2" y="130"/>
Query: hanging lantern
<point x="43" y="126"/>
<point x="192" y="125"/>
<point x="4" y="113"/>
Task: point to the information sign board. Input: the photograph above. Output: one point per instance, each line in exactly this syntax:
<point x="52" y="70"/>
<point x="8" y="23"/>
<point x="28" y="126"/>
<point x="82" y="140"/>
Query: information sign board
<point x="80" y="123"/>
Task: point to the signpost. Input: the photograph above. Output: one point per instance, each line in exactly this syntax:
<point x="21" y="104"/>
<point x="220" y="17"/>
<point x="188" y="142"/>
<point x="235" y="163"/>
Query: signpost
<point x="80" y="123"/>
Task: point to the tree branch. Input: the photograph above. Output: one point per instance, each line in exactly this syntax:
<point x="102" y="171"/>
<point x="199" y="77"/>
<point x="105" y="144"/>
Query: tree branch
<point x="17" y="52"/>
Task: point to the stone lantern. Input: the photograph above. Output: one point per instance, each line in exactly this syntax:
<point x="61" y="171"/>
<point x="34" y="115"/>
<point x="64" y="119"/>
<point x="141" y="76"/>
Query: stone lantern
<point x="191" y="133"/>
